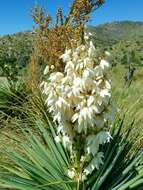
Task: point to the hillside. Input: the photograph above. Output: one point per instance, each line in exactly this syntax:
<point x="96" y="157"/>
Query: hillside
<point x="124" y="40"/>
<point x="15" y="51"/>
<point x="114" y="32"/>
<point x="18" y="45"/>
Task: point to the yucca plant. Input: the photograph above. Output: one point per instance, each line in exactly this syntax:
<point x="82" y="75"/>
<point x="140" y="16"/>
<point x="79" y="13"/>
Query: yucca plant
<point x="12" y="99"/>
<point x="119" y="171"/>
<point x="43" y="164"/>
<point x="78" y="151"/>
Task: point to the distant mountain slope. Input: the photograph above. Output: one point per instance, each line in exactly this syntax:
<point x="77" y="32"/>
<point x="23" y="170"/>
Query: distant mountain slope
<point x="15" y="49"/>
<point x="124" y="40"/>
<point x="111" y="33"/>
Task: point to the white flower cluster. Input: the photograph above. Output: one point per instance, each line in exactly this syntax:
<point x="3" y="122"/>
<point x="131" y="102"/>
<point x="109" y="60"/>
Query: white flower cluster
<point x="78" y="98"/>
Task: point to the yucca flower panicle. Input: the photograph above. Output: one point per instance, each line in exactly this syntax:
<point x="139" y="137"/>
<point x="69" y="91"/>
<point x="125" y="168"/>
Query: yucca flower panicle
<point x="78" y="100"/>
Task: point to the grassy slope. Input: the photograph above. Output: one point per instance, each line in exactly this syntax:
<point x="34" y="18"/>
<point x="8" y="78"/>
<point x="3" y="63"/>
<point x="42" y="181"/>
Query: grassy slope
<point x="129" y="100"/>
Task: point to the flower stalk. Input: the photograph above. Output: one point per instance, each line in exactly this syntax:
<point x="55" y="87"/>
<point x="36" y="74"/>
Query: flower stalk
<point x="79" y="99"/>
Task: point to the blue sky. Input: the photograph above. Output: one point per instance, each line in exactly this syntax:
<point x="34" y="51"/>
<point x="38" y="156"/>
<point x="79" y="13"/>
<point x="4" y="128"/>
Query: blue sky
<point x="15" y="15"/>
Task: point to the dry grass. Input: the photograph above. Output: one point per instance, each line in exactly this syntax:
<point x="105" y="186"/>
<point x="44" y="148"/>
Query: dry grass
<point x="130" y="100"/>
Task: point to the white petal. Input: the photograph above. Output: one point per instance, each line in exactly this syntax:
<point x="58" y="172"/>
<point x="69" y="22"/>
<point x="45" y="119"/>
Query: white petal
<point x="71" y="174"/>
<point x="75" y="117"/>
<point x="46" y="70"/>
<point x="57" y="139"/>
<point x="105" y="92"/>
<point x="108" y="54"/>
<point x="104" y="64"/>
<point x="56" y="77"/>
